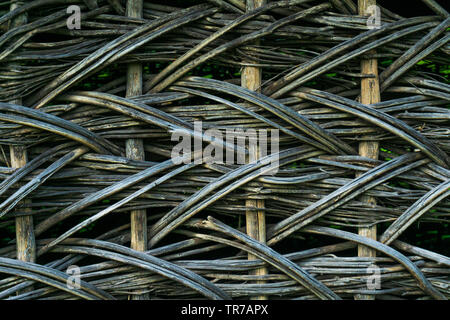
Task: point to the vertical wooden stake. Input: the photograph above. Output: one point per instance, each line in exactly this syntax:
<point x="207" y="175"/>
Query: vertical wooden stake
<point x="135" y="147"/>
<point x="25" y="240"/>
<point x="255" y="220"/>
<point x="370" y="93"/>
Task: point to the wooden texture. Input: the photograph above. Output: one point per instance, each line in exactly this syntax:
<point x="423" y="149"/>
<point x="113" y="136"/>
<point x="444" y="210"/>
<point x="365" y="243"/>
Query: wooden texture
<point x="370" y="94"/>
<point x="92" y="122"/>
<point x="25" y="239"/>
<point x="135" y="147"/>
<point x="251" y="79"/>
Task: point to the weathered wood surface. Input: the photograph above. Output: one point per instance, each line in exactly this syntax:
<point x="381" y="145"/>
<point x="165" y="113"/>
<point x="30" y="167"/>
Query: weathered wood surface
<point x="255" y="220"/>
<point x="370" y="94"/>
<point x="86" y="124"/>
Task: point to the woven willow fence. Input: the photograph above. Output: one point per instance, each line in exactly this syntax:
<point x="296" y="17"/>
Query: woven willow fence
<point x="94" y="206"/>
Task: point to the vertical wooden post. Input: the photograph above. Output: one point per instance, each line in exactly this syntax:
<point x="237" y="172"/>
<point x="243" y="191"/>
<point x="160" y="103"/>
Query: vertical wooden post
<point x="255" y="220"/>
<point x="135" y="147"/>
<point x="25" y="240"/>
<point x="370" y="93"/>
